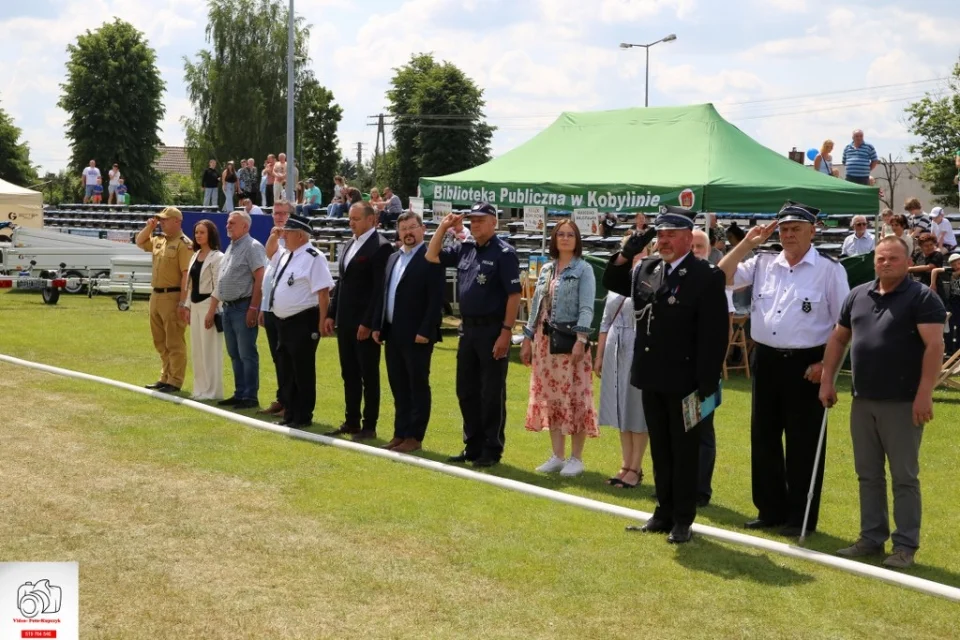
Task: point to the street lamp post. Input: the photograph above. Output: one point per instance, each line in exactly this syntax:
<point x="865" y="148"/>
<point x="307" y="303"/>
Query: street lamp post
<point x="646" y="48"/>
<point x="291" y="151"/>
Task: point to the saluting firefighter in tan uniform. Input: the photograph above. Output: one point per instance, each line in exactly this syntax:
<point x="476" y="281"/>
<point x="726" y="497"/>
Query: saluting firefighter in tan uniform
<point x="168" y="310"/>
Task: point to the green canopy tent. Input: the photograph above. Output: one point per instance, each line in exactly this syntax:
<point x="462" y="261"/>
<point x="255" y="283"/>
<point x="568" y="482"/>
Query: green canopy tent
<point x="639" y="159"/>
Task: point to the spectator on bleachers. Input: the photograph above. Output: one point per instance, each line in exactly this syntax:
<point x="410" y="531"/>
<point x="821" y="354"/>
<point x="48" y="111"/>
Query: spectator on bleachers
<point x="919" y="222"/>
<point x="898" y="227"/>
<point x="824" y="161"/>
<point x="742" y="298"/>
<point x="947" y="281"/>
<point x="90" y="176"/>
<point x="735" y="235"/>
<point x="353" y="197"/>
<point x="114" y="175"/>
<point x="860" y="158"/>
<point x="298" y="194"/>
<point x="246" y="180"/>
<point x="121" y="192"/>
<point x="210" y="181"/>
<point x="311" y="199"/>
<point x="280" y="177"/>
<point x="860" y="241"/>
<point x="926" y="259"/>
<point x="392" y="209"/>
<point x="701" y="246"/>
<point x="229" y="180"/>
<point x="250" y="208"/>
<point x="885" y="217"/>
<point x="263" y="189"/>
<point x="718" y="243"/>
<point x="608" y="224"/>
<point x="268" y="172"/>
<point x="946" y="238"/>
<point x="376" y="201"/>
<point x="640" y="222"/>
<point x="339" y="186"/>
<point x="98" y="191"/>
<point x="456" y="234"/>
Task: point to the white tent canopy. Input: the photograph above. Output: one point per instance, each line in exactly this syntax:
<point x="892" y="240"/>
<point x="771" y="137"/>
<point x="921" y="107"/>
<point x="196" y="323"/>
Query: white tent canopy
<point x="20" y="205"/>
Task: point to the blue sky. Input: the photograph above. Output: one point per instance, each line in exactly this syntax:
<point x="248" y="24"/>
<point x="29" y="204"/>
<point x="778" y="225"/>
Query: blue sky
<point x="536" y="58"/>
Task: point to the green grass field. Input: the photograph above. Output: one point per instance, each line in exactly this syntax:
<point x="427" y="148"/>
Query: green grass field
<point x="186" y="524"/>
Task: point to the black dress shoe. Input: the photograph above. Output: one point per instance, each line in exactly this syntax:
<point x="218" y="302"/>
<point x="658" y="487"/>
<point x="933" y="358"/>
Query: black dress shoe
<point x="679" y="534"/>
<point x="792" y="531"/>
<point x="229" y="402"/>
<point x="461" y="458"/>
<point x="156" y="385"/>
<point x="483" y="462"/>
<point x="364" y="434"/>
<point x="703" y="501"/>
<point x="656" y="525"/>
<point x="169" y="388"/>
<point x="343" y="430"/>
<point x="247" y="403"/>
<point x="760" y="523"/>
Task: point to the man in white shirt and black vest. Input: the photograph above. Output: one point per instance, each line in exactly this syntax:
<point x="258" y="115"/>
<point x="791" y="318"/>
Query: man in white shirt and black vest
<point x="299" y="297"/>
<point x="797" y="296"/>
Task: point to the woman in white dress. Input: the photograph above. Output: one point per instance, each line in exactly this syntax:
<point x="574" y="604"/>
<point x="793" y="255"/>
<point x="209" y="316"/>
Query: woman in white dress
<point x="206" y="345"/>
<point x="621" y="404"/>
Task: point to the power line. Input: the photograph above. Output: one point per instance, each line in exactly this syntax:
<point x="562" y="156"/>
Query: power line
<point x="846" y="106"/>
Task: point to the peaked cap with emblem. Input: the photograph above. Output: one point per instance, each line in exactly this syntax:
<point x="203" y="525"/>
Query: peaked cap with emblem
<point x="675" y="218"/>
<point x="797" y="212"/>
<point x="298" y="223"/>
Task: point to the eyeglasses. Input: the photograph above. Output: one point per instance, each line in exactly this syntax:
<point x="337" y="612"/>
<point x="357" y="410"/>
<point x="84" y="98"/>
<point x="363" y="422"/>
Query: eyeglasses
<point x="860" y="224"/>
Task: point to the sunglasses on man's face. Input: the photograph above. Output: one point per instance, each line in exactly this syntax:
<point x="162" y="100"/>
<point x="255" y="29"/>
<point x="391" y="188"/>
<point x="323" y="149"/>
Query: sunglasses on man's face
<point x="860" y="224"/>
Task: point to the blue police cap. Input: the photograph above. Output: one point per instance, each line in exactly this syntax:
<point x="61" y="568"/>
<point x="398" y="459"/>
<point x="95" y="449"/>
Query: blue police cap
<point x="796" y="212"/>
<point x="675" y="218"/>
<point x="298" y="223"/>
<point x="482" y="208"/>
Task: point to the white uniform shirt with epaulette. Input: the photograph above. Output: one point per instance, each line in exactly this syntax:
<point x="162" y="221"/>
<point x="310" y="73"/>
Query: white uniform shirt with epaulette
<point x="298" y="278"/>
<point x="793" y="307"/>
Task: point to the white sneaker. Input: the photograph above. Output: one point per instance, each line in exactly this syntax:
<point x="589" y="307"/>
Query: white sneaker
<point x="573" y="467"/>
<point x="552" y="465"/>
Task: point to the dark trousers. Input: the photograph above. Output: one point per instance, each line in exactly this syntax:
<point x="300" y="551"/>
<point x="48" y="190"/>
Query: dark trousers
<point x="676" y="457"/>
<point x="408" y="370"/>
<point x="299" y="336"/>
<point x="269" y="195"/>
<point x="865" y="180"/>
<point x="952" y="337"/>
<point x="482" y="392"/>
<point x="360" y="370"/>
<point x="785" y="404"/>
<point x="273" y="340"/>
<point x="708" y="458"/>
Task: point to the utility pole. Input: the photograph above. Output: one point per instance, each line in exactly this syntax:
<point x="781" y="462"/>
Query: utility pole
<point x="359" y="156"/>
<point x="291" y="62"/>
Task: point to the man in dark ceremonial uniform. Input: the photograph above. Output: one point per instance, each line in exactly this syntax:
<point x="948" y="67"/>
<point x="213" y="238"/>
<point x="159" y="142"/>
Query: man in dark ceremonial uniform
<point x="682" y="332"/>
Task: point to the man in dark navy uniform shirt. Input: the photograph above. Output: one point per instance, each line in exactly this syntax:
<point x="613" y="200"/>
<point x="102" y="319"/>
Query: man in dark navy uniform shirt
<point x="682" y="331"/>
<point x="488" y="282"/>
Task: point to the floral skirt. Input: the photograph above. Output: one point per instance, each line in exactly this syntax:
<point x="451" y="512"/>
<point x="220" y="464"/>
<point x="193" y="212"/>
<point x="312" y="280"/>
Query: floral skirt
<point x="561" y="393"/>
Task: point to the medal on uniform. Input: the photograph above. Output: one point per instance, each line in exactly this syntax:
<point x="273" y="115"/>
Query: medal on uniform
<point x="290" y="280"/>
<point x="481" y="279"/>
<point x="682" y="272"/>
<point x="657" y="269"/>
<point x="672" y="300"/>
<point x="806" y="306"/>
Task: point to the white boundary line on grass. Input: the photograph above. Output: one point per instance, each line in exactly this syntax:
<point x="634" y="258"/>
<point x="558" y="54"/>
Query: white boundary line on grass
<point x="857" y="568"/>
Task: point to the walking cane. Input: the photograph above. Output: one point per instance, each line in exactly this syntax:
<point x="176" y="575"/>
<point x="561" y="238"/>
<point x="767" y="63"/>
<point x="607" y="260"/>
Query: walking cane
<point x="816" y="460"/>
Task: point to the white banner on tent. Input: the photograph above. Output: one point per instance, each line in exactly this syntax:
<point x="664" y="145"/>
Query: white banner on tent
<point x="534" y="218"/>
<point x="416" y="205"/>
<point x="441" y="209"/>
<point x="587" y="221"/>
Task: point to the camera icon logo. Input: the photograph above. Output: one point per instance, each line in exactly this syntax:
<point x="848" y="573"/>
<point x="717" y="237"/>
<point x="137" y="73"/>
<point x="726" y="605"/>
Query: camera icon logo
<point x="34" y="599"/>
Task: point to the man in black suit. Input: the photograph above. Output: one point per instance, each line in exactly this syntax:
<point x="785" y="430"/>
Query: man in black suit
<point x="407" y="318"/>
<point x="682" y="328"/>
<point x="352" y="307"/>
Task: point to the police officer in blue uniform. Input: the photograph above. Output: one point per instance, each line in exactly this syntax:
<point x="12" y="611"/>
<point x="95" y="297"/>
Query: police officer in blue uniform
<point x="488" y="282"/>
<point x="682" y="332"/>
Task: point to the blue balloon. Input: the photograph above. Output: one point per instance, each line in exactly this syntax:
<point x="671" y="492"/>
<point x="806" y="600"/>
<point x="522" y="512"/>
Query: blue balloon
<point x="812" y="154"/>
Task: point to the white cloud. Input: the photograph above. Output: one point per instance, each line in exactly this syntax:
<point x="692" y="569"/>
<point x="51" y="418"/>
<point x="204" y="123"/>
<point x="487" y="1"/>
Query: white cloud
<point x="782" y="6"/>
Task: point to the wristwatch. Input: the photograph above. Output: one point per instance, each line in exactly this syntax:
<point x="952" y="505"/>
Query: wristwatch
<point x="583" y="339"/>
<point x="182" y="305"/>
<point x="507" y="327"/>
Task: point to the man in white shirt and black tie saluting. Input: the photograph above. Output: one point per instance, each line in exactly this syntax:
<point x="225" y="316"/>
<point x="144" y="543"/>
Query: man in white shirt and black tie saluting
<point x="797" y="296"/>
<point x="299" y="297"/>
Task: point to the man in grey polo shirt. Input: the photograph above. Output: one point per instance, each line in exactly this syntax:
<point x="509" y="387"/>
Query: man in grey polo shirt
<point x="239" y="289"/>
<point x="896" y="325"/>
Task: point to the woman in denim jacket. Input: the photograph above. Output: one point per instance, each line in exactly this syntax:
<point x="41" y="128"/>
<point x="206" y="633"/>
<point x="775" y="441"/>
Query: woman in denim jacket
<point x="561" y="385"/>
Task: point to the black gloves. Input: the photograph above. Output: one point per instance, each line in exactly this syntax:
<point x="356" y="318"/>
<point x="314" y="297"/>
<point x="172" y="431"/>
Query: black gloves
<point x="637" y="243"/>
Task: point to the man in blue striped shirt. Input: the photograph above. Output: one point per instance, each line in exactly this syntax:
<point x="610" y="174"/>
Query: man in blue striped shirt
<point x="859" y="158"/>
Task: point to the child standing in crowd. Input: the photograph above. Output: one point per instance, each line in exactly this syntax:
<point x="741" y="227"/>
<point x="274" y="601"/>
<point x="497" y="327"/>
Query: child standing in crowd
<point x="121" y="192"/>
<point x="98" y="191"/>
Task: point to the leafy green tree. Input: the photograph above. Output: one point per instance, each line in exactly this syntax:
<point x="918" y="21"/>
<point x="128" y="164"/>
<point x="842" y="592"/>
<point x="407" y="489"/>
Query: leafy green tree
<point x="113" y="97"/>
<point x="317" y="119"/>
<point x="183" y="190"/>
<point x="935" y="120"/>
<point x="15" y="164"/>
<point x="238" y="88"/>
<point x="438" y="121"/>
<point x="60" y="187"/>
